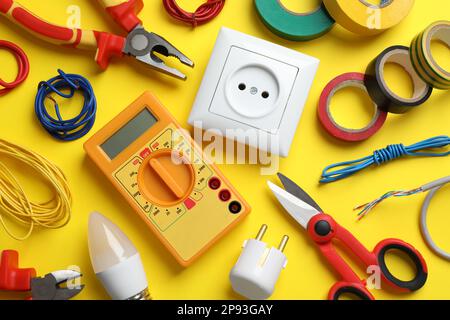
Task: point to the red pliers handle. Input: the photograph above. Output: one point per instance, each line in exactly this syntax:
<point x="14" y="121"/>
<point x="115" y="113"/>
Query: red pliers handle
<point x="124" y="12"/>
<point x="139" y="43"/>
<point x="106" y="44"/>
<point x="13" y="278"/>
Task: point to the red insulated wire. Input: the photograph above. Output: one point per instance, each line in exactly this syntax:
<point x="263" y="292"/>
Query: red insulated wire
<point x="206" y="12"/>
<point x="22" y="63"/>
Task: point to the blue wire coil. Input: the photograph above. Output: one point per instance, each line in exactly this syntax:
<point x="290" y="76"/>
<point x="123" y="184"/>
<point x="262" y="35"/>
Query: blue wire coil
<point x="385" y="155"/>
<point x="71" y="129"/>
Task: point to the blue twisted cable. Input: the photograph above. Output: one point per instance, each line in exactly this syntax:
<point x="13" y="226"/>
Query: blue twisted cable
<point x="71" y="129"/>
<point x="385" y="155"/>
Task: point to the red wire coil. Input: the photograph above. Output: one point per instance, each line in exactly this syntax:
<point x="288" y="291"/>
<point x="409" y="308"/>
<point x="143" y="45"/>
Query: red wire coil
<point x="22" y="63"/>
<point x="205" y="13"/>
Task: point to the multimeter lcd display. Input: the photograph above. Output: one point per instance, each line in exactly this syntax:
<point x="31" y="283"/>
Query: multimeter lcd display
<point x="129" y="133"/>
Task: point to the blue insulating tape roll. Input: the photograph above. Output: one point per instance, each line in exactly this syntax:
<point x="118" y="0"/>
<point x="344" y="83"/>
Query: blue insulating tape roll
<point x="294" y="26"/>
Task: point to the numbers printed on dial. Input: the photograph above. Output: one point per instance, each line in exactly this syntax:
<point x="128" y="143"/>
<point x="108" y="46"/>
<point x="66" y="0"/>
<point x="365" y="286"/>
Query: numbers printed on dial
<point x="203" y="173"/>
<point x="164" y="141"/>
<point x="127" y="176"/>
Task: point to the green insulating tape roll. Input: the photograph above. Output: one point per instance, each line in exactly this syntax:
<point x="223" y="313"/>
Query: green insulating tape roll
<point x="294" y="26"/>
<point x="421" y="55"/>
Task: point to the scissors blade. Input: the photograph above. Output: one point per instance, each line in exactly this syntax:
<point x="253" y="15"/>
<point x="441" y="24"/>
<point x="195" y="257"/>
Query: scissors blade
<point x="298" y="192"/>
<point x="301" y="211"/>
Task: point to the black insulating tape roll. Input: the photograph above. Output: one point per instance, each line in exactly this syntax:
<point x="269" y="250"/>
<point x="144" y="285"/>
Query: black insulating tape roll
<point x="385" y="98"/>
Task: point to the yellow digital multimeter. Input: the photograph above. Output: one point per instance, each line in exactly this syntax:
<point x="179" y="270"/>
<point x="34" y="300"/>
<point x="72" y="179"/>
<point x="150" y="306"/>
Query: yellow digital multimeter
<point x="164" y="176"/>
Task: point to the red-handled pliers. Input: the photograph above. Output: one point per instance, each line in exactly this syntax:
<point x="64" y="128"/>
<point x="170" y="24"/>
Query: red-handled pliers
<point x="139" y="43"/>
<point x="13" y="278"/>
<point x="323" y="230"/>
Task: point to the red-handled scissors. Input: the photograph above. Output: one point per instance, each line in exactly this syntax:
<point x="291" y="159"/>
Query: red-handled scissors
<point x="323" y="229"/>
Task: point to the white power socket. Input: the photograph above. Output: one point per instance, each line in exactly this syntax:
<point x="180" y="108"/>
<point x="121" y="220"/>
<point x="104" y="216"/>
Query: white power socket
<point x="253" y="84"/>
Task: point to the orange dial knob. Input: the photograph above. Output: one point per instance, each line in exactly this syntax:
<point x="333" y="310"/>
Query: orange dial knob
<point x="166" y="178"/>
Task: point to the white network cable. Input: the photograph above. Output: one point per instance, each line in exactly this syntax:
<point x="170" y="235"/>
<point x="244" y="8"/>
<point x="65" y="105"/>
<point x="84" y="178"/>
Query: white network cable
<point x="432" y="187"/>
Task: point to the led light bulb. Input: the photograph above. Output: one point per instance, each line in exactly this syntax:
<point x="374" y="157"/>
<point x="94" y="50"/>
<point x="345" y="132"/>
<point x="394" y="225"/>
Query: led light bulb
<point x="116" y="261"/>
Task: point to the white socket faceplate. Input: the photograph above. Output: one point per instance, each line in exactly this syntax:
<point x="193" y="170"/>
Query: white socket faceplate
<point x="253" y="84"/>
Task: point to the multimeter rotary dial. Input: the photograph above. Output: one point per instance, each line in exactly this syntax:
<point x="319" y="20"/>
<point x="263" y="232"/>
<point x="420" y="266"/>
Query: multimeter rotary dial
<point x="166" y="178"/>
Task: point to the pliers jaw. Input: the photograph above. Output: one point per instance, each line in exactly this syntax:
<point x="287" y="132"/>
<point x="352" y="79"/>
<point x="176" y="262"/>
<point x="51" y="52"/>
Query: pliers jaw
<point x="50" y="286"/>
<point x="144" y="45"/>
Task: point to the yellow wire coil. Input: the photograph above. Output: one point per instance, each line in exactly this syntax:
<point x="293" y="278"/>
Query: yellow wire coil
<point x="16" y="205"/>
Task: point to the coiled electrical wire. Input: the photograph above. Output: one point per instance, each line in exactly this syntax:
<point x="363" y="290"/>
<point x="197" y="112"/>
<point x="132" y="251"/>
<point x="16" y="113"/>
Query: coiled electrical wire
<point x="71" y="129"/>
<point x="18" y="206"/>
<point x="22" y="63"/>
<point x="205" y="13"/>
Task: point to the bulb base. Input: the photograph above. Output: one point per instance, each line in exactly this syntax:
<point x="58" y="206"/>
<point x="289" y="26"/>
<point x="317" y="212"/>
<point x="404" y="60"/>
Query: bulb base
<point x="143" y="295"/>
<point x="125" y="280"/>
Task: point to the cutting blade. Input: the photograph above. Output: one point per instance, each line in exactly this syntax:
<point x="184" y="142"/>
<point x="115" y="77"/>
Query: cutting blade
<point x="294" y="189"/>
<point x="62" y="276"/>
<point x="301" y="211"/>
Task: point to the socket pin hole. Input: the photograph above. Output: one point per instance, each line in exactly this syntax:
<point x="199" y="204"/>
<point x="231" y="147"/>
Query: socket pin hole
<point x="265" y="95"/>
<point x="242" y="86"/>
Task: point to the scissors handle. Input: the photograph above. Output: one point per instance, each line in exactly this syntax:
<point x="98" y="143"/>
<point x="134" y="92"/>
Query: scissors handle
<point x="323" y="229"/>
<point x="416" y="258"/>
<point x="355" y="289"/>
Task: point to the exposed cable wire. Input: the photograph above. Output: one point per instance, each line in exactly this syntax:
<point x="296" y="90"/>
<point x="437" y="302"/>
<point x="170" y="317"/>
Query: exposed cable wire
<point x="432" y="187"/>
<point x="367" y="207"/>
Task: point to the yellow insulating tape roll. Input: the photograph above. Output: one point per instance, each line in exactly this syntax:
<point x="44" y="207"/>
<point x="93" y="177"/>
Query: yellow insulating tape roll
<point x="16" y="205"/>
<point x="422" y="59"/>
<point x="362" y="17"/>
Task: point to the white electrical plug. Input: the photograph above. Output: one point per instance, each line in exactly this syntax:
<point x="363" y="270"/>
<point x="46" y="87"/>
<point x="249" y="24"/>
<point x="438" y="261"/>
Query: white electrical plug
<point x="258" y="268"/>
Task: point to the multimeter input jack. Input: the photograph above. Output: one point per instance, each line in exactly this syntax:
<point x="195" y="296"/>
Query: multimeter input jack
<point x="224" y="195"/>
<point x="235" y="207"/>
<point x="214" y="183"/>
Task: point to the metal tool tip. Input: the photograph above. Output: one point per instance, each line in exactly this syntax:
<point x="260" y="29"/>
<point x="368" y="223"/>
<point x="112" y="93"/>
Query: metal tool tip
<point x="186" y="61"/>
<point x="270" y="184"/>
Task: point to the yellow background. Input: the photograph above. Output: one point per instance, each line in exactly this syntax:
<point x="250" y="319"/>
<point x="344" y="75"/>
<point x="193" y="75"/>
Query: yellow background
<point x="306" y="276"/>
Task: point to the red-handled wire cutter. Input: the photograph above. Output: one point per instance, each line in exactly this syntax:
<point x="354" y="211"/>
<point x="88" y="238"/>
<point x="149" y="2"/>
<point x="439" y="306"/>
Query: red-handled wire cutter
<point x="323" y="229"/>
<point x="13" y="278"/>
<point x="139" y="43"/>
